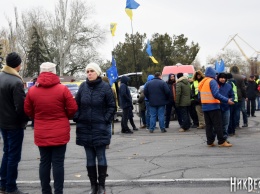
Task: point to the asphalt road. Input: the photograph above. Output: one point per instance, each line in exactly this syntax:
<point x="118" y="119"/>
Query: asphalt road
<point x="157" y="163"/>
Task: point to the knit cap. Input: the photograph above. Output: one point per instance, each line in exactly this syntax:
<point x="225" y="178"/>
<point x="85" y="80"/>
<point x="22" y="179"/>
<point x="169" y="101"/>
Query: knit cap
<point x="48" y="67"/>
<point x="13" y="60"/>
<point x="95" y="67"/>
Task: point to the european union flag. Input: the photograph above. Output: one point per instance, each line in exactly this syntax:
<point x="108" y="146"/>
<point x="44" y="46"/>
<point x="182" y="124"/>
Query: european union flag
<point x="131" y="4"/>
<point x="112" y="72"/>
<point x="220" y="67"/>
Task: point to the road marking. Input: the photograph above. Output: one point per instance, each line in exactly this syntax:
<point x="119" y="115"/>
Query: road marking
<point x="139" y="180"/>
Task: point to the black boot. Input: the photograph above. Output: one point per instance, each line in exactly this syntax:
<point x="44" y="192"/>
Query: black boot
<point x="102" y="173"/>
<point x="92" y="174"/>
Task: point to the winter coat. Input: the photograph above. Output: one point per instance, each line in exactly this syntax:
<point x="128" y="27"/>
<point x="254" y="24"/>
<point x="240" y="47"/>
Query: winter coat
<point x="241" y="88"/>
<point x="149" y="78"/>
<point x="183" y="92"/>
<point x="50" y="104"/>
<point x="251" y="90"/>
<point x="12" y="97"/>
<point x="210" y="72"/>
<point x="227" y="91"/>
<point x="95" y="114"/>
<point x="171" y="85"/>
<point x="157" y="92"/>
<point x="141" y="101"/>
<point x="124" y="93"/>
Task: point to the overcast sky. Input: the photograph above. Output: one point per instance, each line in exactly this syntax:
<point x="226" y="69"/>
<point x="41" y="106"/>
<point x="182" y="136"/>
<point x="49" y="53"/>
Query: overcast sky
<point x="210" y="23"/>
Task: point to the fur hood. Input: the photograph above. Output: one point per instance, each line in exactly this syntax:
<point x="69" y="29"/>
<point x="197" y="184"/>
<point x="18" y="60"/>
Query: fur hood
<point x="11" y="71"/>
<point x="195" y="75"/>
<point x="234" y="69"/>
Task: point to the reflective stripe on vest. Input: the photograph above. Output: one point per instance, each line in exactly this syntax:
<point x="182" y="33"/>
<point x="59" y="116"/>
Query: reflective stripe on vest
<point x="206" y="94"/>
<point x="234" y="87"/>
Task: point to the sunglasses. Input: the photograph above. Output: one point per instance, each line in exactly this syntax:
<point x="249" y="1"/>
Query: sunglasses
<point x="90" y="71"/>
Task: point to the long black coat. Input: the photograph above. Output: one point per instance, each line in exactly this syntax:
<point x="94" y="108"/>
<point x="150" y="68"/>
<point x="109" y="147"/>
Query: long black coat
<point x="96" y="105"/>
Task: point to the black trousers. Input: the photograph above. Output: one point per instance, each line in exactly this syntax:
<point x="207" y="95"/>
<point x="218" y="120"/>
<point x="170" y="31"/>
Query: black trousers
<point x="213" y="121"/>
<point x="52" y="156"/>
<point x="125" y="117"/>
<point x="250" y="106"/>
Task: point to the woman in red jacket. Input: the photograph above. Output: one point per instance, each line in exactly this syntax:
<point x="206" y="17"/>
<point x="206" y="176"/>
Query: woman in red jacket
<point x="51" y="105"/>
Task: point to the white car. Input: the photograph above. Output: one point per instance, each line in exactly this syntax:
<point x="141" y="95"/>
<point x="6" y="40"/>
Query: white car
<point x="134" y="94"/>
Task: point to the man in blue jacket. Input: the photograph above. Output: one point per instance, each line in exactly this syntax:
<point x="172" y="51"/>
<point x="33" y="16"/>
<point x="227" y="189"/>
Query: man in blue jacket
<point x="158" y="93"/>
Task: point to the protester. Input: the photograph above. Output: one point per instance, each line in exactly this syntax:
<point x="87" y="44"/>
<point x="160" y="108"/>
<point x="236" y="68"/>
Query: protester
<point x="147" y="112"/>
<point x="195" y="101"/>
<point x="96" y="109"/>
<point x="126" y="104"/>
<point x="12" y="122"/>
<point x="210" y="99"/>
<point x="142" y="108"/>
<point x="251" y="93"/>
<point x="241" y="93"/>
<point x="171" y="103"/>
<point x="183" y="100"/>
<point x="51" y="105"/>
<point x="158" y="93"/>
<point x="225" y="90"/>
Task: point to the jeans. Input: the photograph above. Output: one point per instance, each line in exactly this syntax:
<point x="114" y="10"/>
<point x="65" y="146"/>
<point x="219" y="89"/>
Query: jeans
<point x="52" y="156"/>
<point x="241" y="107"/>
<point x="258" y="102"/>
<point x="154" y="112"/>
<point x="225" y="122"/>
<point x="94" y="153"/>
<point x="12" y="149"/>
<point x="233" y="117"/>
<point x="148" y="116"/>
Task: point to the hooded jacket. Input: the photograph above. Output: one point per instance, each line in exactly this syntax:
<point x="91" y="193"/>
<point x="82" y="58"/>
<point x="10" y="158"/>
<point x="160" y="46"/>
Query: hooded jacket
<point x="124" y="93"/>
<point x="226" y="90"/>
<point x="211" y="73"/>
<point x="12" y="97"/>
<point x="149" y="78"/>
<point x="171" y="85"/>
<point x="183" y="92"/>
<point x="51" y="104"/>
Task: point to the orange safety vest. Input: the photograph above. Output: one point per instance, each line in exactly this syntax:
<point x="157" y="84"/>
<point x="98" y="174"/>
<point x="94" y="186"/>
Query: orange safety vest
<point x="206" y="94"/>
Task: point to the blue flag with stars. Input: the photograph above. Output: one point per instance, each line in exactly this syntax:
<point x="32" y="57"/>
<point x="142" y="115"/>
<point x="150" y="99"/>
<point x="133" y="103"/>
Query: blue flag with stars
<point x="112" y="72"/>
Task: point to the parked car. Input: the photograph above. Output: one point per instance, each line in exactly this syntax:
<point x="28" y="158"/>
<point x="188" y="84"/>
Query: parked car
<point x="134" y="94"/>
<point x="73" y="89"/>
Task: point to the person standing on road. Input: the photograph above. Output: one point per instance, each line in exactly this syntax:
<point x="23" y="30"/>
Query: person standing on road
<point x="93" y="119"/>
<point x="251" y="93"/>
<point x="183" y="101"/>
<point x="51" y="105"/>
<point x="168" y="111"/>
<point x="210" y="99"/>
<point x="126" y="104"/>
<point x="147" y="106"/>
<point x="158" y="93"/>
<point x="12" y="122"/>
<point x="241" y="94"/>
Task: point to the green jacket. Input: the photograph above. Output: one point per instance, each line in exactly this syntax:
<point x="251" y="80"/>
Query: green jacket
<point x="183" y="92"/>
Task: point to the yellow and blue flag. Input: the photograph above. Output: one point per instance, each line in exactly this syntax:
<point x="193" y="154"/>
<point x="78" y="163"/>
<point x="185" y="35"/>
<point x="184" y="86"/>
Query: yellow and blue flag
<point x="149" y="52"/>
<point x="113" y="28"/>
<point x="131" y="4"/>
<point x="112" y="72"/>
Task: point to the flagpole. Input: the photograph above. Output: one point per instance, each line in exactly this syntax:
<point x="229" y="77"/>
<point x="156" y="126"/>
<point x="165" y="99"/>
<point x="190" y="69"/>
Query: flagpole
<point x="133" y="43"/>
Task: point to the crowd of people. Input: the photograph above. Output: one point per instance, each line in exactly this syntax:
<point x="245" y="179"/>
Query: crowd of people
<point x="208" y="101"/>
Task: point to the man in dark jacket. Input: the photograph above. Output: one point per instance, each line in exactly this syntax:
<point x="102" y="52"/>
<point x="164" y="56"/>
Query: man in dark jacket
<point x="241" y="94"/>
<point x="12" y="121"/>
<point x="251" y="92"/>
<point x="125" y="103"/>
<point x="158" y="93"/>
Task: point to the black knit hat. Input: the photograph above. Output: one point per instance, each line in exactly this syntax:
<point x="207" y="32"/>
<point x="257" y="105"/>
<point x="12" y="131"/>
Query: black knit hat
<point x="13" y="60"/>
<point x="179" y="75"/>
